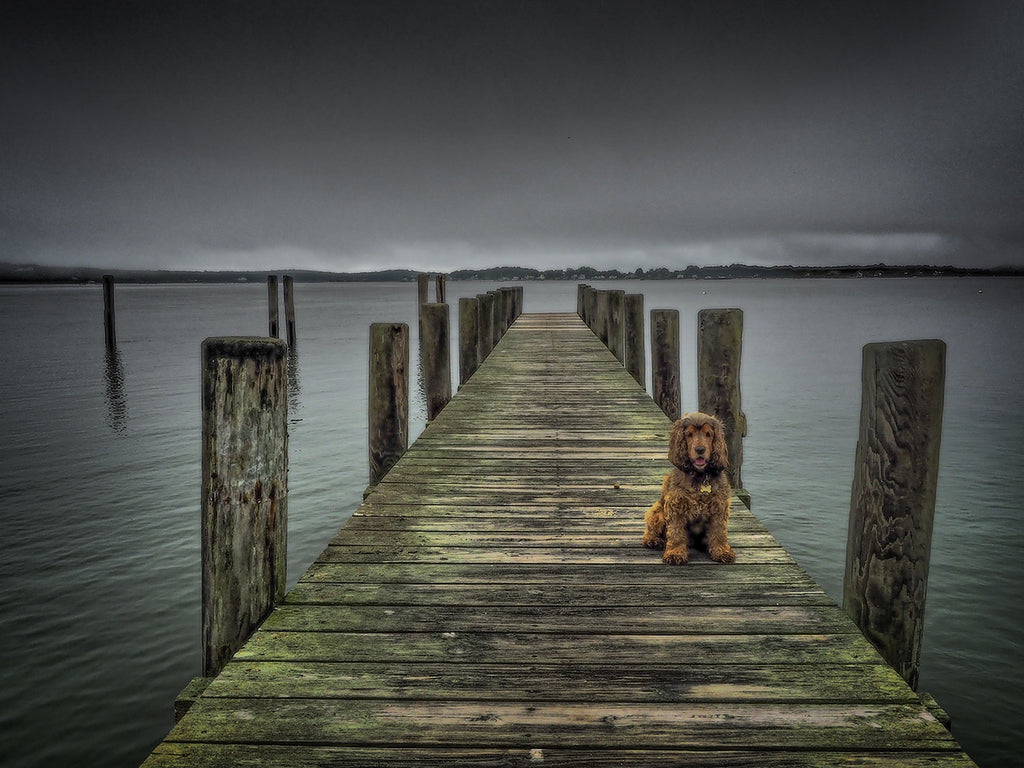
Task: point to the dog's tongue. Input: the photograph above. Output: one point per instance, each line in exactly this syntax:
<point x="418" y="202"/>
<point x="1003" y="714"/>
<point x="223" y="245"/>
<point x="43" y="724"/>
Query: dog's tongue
<point x="699" y="462"/>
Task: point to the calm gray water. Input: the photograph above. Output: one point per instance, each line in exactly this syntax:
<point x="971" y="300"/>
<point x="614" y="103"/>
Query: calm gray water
<point x="99" y="477"/>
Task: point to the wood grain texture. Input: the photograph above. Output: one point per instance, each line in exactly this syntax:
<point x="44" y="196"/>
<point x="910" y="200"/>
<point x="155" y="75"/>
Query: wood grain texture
<point x="892" y="504"/>
<point x="491" y="604"/>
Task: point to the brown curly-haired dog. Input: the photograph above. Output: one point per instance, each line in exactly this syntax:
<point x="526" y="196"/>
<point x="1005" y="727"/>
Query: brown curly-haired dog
<point x="694" y="503"/>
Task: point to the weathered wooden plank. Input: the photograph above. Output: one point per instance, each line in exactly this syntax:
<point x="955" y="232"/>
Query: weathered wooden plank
<point x="710" y="683"/>
<point x="441" y="723"/>
<point x="444" y="644"/>
<point x="698" y="593"/>
<point x="563" y="618"/>
<point x="652" y="575"/>
<point x="302" y="756"/>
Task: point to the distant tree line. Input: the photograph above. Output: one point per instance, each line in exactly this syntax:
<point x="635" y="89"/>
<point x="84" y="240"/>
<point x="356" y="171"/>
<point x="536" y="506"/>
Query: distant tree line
<point x="22" y="273"/>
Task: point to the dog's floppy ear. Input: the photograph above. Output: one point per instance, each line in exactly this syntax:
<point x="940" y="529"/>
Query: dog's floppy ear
<point x="677" y="445"/>
<point x="719" y="448"/>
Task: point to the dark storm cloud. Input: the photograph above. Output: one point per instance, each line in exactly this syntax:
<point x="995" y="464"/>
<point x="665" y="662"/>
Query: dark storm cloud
<point x="442" y="133"/>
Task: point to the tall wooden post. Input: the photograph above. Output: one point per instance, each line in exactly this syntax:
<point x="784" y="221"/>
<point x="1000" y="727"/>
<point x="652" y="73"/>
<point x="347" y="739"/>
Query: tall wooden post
<point x="436" y="357"/>
<point x="633" y="338"/>
<point x="667" y="391"/>
<point x="469" y="337"/>
<point x="581" y="292"/>
<point x="289" y="309"/>
<point x="388" y="432"/>
<point x="485" y="325"/>
<point x="616" y="324"/>
<point x="109" y="324"/>
<point x="244" y="490"/>
<point x="892" y="503"/>
<point x="272" y="306"/>
<point x="422" y="286"/>
<point x="719" y="343"/>
<point x="440" y="282"/>
<point x="496" y="330"/>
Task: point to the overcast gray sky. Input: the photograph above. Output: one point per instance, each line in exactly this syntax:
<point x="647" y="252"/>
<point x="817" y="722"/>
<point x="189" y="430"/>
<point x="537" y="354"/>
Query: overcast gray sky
<point x="438" y="135"/>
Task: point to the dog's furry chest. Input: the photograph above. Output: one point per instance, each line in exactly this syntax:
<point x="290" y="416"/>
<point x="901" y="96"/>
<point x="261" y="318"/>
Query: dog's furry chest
<point x="693" y="499"/>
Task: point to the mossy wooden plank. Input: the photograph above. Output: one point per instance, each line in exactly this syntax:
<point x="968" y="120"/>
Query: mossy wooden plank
<point x="651" y="574"/>
<point x="392" y="553"/>
<point x="672" y="683"/>
<point x="529" y="647"/>
<point x="564" y="618"/>
<point x="548" y="725"/>
<point x="496" y="596"/>
<point x="626" y="538"/>
<point x="303" y="756"/>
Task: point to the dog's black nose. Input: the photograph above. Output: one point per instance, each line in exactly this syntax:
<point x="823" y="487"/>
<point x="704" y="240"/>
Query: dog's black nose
<point x="700" y="450"/>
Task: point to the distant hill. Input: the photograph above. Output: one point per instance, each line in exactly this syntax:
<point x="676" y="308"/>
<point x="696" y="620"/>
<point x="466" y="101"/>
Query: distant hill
<point x="34" y="273"/>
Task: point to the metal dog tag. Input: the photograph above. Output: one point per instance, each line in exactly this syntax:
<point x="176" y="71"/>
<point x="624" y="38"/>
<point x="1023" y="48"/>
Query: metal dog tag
<point x="705" y="487"/>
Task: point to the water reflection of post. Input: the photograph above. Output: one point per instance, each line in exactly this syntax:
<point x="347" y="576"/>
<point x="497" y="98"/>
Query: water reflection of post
<point x="117" y="404"/>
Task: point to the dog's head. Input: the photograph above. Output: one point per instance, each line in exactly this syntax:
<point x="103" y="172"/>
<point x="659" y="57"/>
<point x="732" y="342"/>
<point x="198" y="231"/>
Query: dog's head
<point x="698" y="444"/>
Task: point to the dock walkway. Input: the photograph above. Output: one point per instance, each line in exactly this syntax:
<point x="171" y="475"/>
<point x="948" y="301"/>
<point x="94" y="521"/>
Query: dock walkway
<point x="490" y="604"/>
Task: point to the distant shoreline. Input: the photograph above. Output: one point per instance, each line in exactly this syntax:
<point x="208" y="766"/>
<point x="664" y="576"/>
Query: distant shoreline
<point x="37" y="274"/>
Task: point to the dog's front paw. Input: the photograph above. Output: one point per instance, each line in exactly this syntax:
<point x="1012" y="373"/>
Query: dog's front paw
<point x="722" y="554"/>
<point x="675" y="557"/>
<point x="654" y="542"/>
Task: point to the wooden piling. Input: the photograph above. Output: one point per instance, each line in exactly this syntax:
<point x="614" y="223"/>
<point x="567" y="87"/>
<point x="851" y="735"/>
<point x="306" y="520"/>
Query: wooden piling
<point x="634" y="348"/>
<point x="469" y="337"/>
<point x="388" y="432"/>
<point x="289" y="309"/>
<point x="109" y="323"/>
<point x="435" y="357"/>
<point x="244" y="490"/>
<point x="496" y="318"/>
<point x="616" y="324"/>
<point x="272" y="306"/>
<point x="665" y="383"/>
<point x="422" y="286"/>
<point x="440" y="282"/>
<point x="485" y="325"/>
<point x="892" y="504"/>
<point x="719" y="344"/>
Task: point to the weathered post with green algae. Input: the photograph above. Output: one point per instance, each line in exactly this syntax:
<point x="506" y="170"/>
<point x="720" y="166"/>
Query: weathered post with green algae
<point x="435" y="357"/>
<point x="719" y="344"/>
<point x="634" y="349"/>
<point x="244" y="490"/>
<point x="665" y="383"/>
<point x="388" y="428"/>
<point x="469" y="337"/>
<point x="892" y="504"/>
<point x="272" y="306"/>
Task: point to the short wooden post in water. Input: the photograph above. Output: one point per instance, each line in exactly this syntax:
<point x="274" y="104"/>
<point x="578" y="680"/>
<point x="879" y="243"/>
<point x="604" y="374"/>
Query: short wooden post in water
<point x="440" y="282"/>
<point x="633" y="338"/>
<point x="892" y="503"/>
<point x="289" y="309"/>
<point x="272" y="306"/>
<point x="244" y="490"/>
<point x="435" y="356"/>
<point x="469" y="337"/>
<point x="388" y="432"/>
<point x="719" y="343"/>
<point x="109" y="323"/>
<point x="667" y="392"/>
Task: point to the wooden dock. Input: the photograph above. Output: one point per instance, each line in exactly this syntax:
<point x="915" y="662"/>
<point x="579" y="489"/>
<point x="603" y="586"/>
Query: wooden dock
<point x="490" y="604"/>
